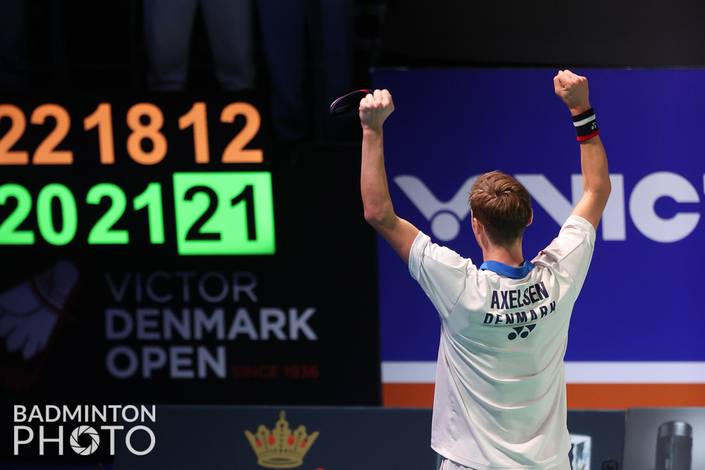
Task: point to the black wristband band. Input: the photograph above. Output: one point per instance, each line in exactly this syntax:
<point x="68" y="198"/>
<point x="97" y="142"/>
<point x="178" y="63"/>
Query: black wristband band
<point x="584" y="115"/>
<point x="586" y="125"/>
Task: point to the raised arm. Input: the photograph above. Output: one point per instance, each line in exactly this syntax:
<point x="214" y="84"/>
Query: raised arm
<point x="573" y="90"/>
<point x="379" y="211"/>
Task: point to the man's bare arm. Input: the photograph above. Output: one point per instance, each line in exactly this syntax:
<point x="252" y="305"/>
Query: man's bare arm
<point x="379" y="210"/>
<point x="573" y="90"/>
<point x="596" y="181"/>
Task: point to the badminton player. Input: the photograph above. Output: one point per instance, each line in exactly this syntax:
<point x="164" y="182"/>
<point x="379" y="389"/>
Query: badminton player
<point x="500" y="395"/>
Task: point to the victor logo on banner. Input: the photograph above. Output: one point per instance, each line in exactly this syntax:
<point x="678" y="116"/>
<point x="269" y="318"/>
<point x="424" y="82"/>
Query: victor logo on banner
<point x="445" y="216"/>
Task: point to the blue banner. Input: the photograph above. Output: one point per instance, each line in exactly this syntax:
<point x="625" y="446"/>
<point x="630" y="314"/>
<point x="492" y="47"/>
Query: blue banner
<point x="642" y="298"/>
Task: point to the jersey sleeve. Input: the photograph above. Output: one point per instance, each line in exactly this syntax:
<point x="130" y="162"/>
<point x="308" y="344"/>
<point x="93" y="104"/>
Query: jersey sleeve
<point x="440" y="271"/>
<point x="571" y="252"/>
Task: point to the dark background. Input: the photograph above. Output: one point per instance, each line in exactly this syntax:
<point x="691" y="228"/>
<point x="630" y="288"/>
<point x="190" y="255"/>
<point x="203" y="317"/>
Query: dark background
<point x="649" y="33"/>
<point x="97" y="45"/>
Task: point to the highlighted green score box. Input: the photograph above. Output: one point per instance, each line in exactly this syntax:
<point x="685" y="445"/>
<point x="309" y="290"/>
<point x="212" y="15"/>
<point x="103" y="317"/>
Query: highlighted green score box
<point x="224" y="213"/>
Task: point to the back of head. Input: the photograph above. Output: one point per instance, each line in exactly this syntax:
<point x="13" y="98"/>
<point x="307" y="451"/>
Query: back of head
<point x="503" y="206"/>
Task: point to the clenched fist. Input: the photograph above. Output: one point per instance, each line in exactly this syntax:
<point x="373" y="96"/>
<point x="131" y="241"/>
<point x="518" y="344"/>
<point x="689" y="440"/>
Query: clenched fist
<point x="375" y="108"/>
<point x="573" y="90"/>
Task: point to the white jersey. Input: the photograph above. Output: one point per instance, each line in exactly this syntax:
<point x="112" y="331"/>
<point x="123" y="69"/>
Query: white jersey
<point x="500" y="399"/>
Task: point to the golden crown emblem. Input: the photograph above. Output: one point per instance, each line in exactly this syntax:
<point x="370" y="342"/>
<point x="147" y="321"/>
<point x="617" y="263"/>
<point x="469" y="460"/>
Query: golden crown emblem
<point x="280" y="447"/>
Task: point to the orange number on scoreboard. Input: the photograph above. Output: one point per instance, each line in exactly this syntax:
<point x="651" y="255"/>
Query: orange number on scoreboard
<point x="102" y="117"/>
<point x="235" y="152"/>
<point x="46" y="153"/>
<point x="149" y="131"/>
<point x="196" y="117"/>
<point x="17" y="126"/>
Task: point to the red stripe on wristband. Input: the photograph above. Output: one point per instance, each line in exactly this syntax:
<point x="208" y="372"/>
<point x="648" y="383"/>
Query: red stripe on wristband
<point x="583" y="138"/>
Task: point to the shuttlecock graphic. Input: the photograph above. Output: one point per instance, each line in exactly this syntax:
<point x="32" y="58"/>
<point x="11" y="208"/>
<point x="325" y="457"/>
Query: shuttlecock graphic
<point x="29" y="311"/>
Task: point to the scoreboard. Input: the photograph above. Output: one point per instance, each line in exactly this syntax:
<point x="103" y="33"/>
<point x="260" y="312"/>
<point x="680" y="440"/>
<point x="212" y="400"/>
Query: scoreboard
<point x="160" y="249"/>
<point x="224" y="213"/>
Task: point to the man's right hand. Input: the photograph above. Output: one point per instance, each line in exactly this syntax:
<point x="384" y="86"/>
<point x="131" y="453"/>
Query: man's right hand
<point x="573" y="90"/>
<point x="375" y="108"/>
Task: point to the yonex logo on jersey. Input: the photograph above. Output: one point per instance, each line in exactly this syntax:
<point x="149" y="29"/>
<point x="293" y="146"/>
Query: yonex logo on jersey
<point x="520" y="332"/>
<point x="445" y="216"/>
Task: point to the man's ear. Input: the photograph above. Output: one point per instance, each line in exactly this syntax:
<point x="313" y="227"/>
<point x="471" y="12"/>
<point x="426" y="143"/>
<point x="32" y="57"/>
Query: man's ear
<point x="531" y="218"/>
<point x="478" y="227"/>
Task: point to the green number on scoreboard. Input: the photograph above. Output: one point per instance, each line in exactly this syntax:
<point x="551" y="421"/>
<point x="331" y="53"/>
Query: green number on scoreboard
<point x="103" y="232"/>
<point x="9" y="233"/>
<point x="67" y="210"/>
<point x="151" y="198"/>
<point x="224" y="213"/>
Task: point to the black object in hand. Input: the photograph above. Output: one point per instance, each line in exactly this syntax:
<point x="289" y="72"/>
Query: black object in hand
<point x="347" y="104"/>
